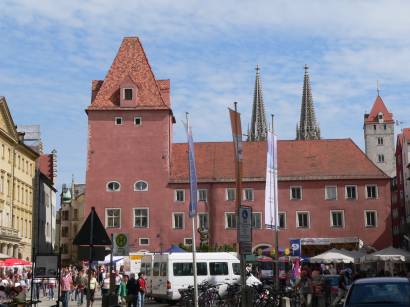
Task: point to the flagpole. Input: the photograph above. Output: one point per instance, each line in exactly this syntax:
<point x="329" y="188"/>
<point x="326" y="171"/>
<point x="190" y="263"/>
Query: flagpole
<point x="193" y="222"/>
<point x="276" y="213"/>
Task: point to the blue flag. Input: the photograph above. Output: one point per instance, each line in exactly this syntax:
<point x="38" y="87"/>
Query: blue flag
<point x="193" y="186"/>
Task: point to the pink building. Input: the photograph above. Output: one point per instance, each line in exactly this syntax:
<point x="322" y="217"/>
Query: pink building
<point x="330" y="193"/>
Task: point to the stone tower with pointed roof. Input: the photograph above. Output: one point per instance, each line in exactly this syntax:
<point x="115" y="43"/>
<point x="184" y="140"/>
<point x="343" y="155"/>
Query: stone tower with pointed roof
<point x="308" y="129"/>
<point x="379" y="137"/>
<point x="258" y="129"/>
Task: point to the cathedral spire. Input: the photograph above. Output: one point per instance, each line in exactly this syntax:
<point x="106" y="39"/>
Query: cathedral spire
<point x="258" y="127"/>
<point x="308" y="128"/>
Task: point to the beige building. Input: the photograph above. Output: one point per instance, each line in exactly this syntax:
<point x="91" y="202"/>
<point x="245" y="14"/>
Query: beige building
<point x="70" y="218"/>
<point x="17" y="193"/>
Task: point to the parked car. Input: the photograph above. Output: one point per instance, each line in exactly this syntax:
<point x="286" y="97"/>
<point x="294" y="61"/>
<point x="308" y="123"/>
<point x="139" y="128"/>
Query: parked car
<point x="380" y="292"/>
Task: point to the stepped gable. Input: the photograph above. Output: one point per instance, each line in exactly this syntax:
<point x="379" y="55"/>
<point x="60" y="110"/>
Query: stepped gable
<point x="130" y="65"/>
<point x="45" y="163"/>
<point x="379" y="107"/>
<point x="298" y="160"/>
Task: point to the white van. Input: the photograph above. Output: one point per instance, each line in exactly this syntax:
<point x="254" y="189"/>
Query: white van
<point x="171" y="272"/>
<point x="146" y="268"/>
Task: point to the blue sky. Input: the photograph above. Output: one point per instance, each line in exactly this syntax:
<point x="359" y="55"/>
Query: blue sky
<point x="51" y="50"/>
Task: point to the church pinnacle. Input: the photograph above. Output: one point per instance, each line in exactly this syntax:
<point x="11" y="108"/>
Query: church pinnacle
<point x="308" y="129"/>
<point x="258" y="129"/>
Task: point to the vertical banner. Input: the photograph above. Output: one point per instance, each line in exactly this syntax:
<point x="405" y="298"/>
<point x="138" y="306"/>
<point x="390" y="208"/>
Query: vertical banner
<point x="236" y="133"/>
<point x="296" y="247"/>
<point x="271" y="188"/>
<point x="193" y="187"/>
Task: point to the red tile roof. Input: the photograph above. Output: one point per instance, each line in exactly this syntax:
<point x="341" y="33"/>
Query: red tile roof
<point x="130" y="62"/>
<point x="379" y="106"/>
<point x="46" y="166"/>
<point x="304" y="160"/>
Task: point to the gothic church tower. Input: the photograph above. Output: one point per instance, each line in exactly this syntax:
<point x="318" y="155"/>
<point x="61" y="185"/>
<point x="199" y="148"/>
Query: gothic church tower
<point x="308" y="129"/>
<point x="258" y="129"/>
<point x="379" y="137"/>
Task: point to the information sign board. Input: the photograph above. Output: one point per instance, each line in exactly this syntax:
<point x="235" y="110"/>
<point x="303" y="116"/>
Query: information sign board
<point x="245" y="224"/>
<point x="120" y="244"/>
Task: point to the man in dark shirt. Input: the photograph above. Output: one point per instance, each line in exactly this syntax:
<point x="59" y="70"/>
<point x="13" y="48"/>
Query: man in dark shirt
<point x="132" y="290"/>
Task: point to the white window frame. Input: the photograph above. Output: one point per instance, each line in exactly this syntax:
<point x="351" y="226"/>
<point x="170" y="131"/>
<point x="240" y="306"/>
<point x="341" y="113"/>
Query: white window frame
<point x="206" y="195"/>
<point x="135" y="186"/>
<point x="331" y="218"/>
<point x="173" y="220"/>
<point x="106" y="218"/>
<point x="199" y="219"/>
<point x="297" y="220"/>
<point x="226" y="220"/>
<point x="326" y="195"/>
<point x="295" y="187"/>
<point x="108" y="190"/>
<point x="120" y="118"/>
<point x="285" y="220"/>
<point x="123" y="93"/>
<point x="186" y="244"/>
<point x="244" y="194"/>
<point x="357" y="194"/>
<point x="375" y="216"/>
<point x="140" y="118"/>
<point x="261" y="223"/>
<point x="377" y="191"/>
<point x="142" y="244"/>
<point x="133" y="214"/>
<point x="227" y="194"/>
<point x="175" y="195"/>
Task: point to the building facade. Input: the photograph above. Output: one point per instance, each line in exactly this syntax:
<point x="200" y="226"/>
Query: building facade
<point x="401" y="201"/>
<point x="379" y="137"/>
<point x="70" y="218"/>
<point x="44" y="217"/>
<point x="330" y="193"/>
<point x="17" y="188"/>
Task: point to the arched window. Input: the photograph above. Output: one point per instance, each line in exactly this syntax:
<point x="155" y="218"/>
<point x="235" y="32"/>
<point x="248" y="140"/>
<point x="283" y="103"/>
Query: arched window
<point x="113" y="186"/>
<point x="141" y="185"/>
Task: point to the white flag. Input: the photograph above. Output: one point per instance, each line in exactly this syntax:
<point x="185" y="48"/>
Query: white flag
<point x="271" y="188"/>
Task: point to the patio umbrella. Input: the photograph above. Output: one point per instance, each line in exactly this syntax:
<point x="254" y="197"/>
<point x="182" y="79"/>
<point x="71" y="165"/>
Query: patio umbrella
<point x="388" y="254"/>
<point x="332" y="256"/>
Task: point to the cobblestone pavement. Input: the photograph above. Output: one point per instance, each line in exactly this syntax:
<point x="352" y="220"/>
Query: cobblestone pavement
<point x="45" y="302"/>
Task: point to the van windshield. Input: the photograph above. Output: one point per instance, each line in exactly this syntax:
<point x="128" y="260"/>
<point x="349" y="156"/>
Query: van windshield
<point x="185" y="268"/>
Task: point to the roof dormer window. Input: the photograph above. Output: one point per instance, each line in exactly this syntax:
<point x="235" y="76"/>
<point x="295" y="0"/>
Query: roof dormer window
<point x="128" y="93"/>
<point x="380" y="117"/>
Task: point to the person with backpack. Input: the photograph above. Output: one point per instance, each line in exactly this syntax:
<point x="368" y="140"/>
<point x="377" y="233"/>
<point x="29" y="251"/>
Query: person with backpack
<point x="141" y="289"/>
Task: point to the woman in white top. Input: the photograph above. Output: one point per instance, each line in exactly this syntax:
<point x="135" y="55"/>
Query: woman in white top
<point x="106" y="285"/>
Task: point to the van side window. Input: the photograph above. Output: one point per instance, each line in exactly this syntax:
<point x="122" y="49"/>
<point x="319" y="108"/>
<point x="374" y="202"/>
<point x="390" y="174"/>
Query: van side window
<point x="148" y="269"/>
<point x="143" y="268"/>
<point x="236" y="267"/>
<point x="218" y="268"/>
<point x="163" y="269"/>
<point x="185" y="269"/>
<point x="155" y="271"/>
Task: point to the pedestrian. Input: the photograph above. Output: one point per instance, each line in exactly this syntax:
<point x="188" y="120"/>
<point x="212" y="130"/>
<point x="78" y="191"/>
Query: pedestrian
<point x="80" y="284"/>
<point x="141" y="289"/>
<point x="123" y="290"/>
<point x="342" y="289"/>
<point x="65" y="285"/>
<point x="105" y="288"/>
<point x="91" y="291"/>
<point x="132" y="291"/>
<point x="51" y="287"/>
<point x="305" y="287"/>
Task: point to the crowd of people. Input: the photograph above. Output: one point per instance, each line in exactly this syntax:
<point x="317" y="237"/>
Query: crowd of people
<point x="17" y="287"/>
